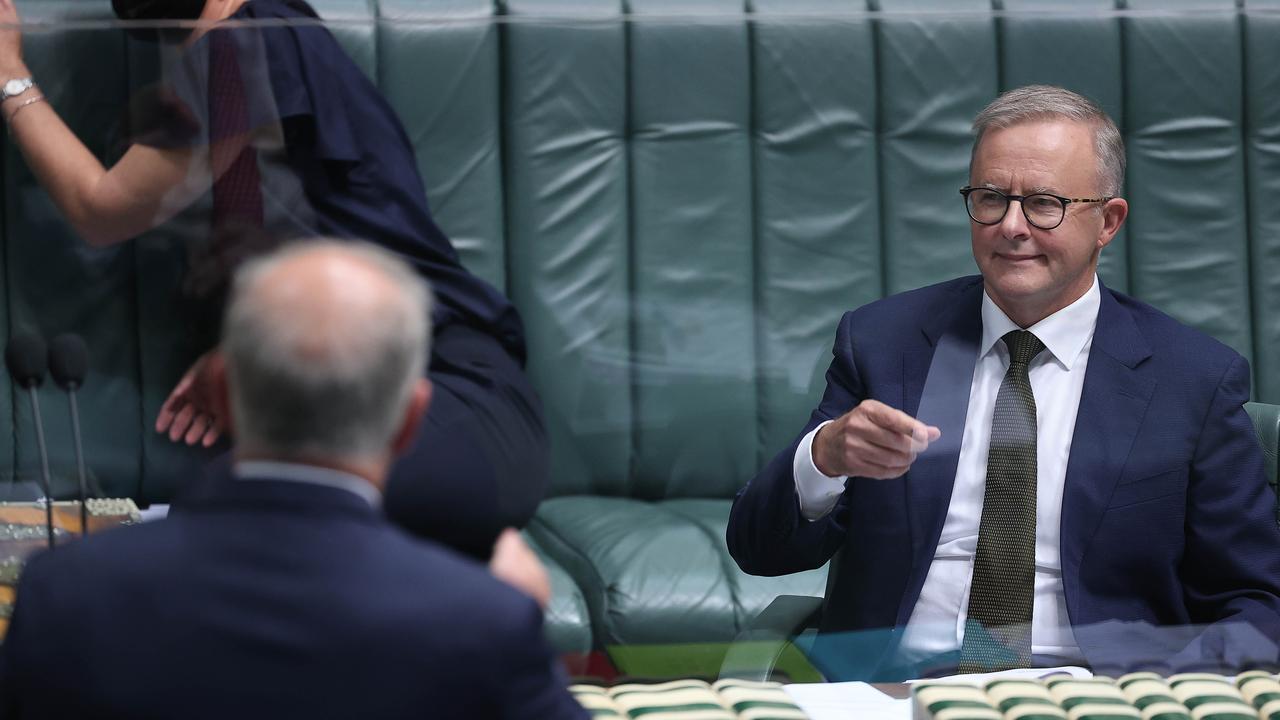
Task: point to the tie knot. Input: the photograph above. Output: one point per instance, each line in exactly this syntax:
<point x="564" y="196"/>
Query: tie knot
<point x="1023" y="346"/>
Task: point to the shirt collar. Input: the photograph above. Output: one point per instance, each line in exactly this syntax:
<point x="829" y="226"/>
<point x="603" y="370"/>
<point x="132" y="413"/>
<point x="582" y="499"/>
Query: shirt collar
<point x="308" y="474"/>
<point x="1063" y="333"/>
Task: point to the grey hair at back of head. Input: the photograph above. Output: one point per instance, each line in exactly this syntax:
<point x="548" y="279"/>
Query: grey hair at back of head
<point x="336" y="389"/>
<point x="1041" y="102"/>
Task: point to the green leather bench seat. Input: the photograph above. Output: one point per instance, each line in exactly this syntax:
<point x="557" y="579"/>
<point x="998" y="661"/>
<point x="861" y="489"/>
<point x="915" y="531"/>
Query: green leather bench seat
<point x="649" y="367"/>
<point x="682" y="202"/>
<point x="657" y="574"/>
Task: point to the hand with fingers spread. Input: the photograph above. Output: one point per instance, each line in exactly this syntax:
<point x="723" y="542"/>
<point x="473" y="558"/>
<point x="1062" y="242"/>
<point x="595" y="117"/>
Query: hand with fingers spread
<point x="872" y="440"/>
<point x="188" y="415"/>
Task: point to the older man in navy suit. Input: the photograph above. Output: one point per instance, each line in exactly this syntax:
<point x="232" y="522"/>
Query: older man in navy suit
<point x="1024" y="467"/>
<point x="282" y="592"/>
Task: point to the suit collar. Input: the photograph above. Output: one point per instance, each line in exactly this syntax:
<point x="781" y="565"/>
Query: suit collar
<point x="960" y="310"/>
<point x="1064" y="333"/>
<point x="1117" y="334"/>
<point x="262" y="493"/>
<point x="255" y="470"/>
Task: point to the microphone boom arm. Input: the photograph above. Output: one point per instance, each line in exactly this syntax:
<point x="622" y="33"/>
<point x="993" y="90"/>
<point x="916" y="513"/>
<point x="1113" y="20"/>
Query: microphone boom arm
<point x="80" y="474"/>
<point x="44" y="465"/>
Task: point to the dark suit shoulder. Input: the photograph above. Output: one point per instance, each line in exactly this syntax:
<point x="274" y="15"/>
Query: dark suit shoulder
<point x="889" y="317"/>
<point x="459" y="587"/>
<point x="109" y="552"/>
<point x="67" y="591"/>
<point x="1174" y="343"/>
<point x="429" y="559"/>
<point x="373" y="573"/>
<point x="921" y="303"/>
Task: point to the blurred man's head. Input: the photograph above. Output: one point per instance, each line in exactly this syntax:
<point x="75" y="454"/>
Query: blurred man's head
<point x="325" y="345"/>
<point x="1044" y="179"/>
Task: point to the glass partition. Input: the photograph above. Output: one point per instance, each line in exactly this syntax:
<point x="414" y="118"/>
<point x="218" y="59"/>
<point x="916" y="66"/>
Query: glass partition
<point x="657" y="214"/>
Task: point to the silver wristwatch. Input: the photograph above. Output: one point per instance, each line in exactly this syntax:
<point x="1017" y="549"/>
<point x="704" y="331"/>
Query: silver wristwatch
<point x="16" y="86"/>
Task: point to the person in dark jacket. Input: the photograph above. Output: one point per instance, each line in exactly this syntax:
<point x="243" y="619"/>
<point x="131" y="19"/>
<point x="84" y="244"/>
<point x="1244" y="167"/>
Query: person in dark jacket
<point x="281" y="591"/>
<point x="265" y="128"/>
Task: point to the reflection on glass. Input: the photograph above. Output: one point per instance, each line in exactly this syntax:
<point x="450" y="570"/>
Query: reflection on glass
<point x="680" y="207"/>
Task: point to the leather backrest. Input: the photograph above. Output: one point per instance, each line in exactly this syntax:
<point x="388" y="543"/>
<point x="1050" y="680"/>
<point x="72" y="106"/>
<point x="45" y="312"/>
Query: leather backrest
<point x="568" y="183"/>
<point x="1266" y="420"/>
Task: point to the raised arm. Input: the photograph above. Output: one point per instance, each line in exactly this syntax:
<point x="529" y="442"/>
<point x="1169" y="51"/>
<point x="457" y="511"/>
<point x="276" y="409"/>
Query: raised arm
<point x="105" y="206"/>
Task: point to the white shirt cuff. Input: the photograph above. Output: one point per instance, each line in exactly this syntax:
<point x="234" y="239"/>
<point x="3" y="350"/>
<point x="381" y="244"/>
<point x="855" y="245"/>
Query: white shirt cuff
<point x="816" y="492"/>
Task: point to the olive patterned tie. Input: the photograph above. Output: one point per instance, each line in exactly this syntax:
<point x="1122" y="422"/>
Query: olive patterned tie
<point x="998" y="630"/>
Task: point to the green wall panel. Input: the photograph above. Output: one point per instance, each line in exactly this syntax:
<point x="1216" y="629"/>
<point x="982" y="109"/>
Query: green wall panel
<point x="567" y="190"/>
<point x="693" y="270"/>
<point x="440" y="68"/>
<point x="937" y="69"/>
<point x="817" y="195"/>
<point x="1184" y="110"/>
<point x="1262" y="158"/>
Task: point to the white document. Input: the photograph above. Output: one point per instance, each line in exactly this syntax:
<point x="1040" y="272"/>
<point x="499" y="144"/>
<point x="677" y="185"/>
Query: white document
<point x="155" y="511"/>
<point x="841" y="701"/>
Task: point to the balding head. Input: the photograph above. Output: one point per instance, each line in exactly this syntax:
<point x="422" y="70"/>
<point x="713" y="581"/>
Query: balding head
<point x="324" y="342"/>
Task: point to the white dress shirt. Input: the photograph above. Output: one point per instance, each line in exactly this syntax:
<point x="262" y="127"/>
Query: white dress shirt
<point x="1057" y="378"/>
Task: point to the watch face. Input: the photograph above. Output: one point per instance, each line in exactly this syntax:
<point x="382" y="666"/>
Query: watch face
<point x="13" y="87"/>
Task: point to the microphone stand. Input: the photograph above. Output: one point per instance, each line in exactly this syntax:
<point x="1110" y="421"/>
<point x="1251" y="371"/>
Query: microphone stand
<point x="44" y="466"/>
<point x="68" y="363"/>
<point x="75" y="434"/>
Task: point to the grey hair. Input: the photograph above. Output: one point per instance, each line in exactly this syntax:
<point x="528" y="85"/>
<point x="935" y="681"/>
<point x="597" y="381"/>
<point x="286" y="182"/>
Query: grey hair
<point x="1040" y="102"/>
<point x="336" y="388"/>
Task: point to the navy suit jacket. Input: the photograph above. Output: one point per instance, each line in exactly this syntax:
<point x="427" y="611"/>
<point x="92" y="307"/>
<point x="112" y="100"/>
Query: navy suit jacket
<point x="1167" y="518"/>
<point x="273" y="599"/>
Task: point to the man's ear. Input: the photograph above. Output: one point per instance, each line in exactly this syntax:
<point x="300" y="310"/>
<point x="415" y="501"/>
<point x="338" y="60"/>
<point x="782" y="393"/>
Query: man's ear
<point x="1113" y="216"/>
<point x="219" y="390"/>
<point x="413" y="414"/>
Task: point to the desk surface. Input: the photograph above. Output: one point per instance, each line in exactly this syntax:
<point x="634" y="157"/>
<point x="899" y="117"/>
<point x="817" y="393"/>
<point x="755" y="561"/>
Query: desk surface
<point x="24" y="530"/>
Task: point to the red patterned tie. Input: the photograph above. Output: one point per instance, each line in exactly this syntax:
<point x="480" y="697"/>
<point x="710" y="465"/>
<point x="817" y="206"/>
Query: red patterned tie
<point x="237" y="192"/>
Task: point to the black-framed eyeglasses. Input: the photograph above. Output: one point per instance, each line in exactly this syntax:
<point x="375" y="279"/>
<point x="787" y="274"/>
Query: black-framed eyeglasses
<point x="1043" y="210"/>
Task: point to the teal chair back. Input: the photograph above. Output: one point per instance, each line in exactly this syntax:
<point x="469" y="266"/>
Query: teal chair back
<point x="1266" y="421"/>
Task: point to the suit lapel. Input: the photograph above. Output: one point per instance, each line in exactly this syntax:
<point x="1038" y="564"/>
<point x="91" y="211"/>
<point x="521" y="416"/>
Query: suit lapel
<point x="940" y="379"/>
<point x="1112" y="404"/>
